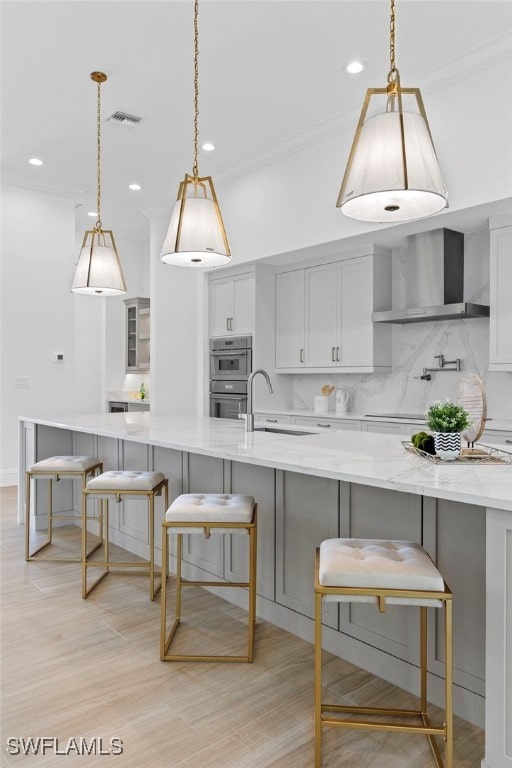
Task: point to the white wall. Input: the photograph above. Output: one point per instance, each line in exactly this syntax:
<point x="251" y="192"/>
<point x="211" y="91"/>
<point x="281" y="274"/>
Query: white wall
<point x="37" y="311"/>
<point x="176" y="323"/>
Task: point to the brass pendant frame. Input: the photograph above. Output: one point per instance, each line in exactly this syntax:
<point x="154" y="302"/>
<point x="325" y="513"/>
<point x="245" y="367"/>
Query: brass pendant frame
<point x="96" y="234"/>
<point x="205" y="184"/>
<point x="393" y="90"/>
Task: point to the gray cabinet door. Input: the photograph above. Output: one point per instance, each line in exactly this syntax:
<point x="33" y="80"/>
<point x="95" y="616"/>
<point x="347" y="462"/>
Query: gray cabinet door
<point x="376" y="513"/>
<point x="203" y="474"/>
<point x="454" y="537"/>
<point x="306" y="514"/>
<point x="258" y="482"/>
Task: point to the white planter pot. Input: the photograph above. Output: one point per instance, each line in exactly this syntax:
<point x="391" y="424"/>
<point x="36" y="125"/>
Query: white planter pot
<point x="447" y="445"/>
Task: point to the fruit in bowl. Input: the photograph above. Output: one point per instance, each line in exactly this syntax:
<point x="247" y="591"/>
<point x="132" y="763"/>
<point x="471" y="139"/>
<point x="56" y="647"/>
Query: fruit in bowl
<point x="424" y="442"/>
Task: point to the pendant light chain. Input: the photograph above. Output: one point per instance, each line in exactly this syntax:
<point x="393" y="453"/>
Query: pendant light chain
<point x="392" y="65"/>
<point x="98" y="194"/>
<point x="195" y="169"/>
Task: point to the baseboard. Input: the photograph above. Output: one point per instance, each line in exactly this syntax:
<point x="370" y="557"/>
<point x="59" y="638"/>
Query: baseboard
<point x="8" y="477"/>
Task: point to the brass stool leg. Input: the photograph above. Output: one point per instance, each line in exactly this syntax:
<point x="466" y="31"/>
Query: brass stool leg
<point x="252" y="592"/>
<point x="151" y="500"/>
<point x="84" y="543"/>
<point x="27" y="516"/>
<point x="163" y="595"/>
<point x="448" y="628"/>
<point x="178" y="576"/>
<point x="423" y="659"/>
<point x="318" y="680"/>
<point x="50" y="511"/>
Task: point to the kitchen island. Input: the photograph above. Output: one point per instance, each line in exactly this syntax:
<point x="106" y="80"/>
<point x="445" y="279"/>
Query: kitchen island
<point x="314" y="486"/>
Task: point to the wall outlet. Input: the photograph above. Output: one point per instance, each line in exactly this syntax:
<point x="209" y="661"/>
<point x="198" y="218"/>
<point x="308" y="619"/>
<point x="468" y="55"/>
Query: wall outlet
<point x="58" y="357"/>
<point x="22" y="382"/>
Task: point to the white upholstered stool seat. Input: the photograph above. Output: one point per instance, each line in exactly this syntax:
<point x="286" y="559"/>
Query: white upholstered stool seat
<point x="55" y="469"/>
<point x="124" y="481"/>
<point x="55" y="465"/>
<point x="208" y="508"/>
<point x="383" y="572"/>
<point x="207" y="513"/>
<point x="120" y="485"/>
<point x="378" y="563"/>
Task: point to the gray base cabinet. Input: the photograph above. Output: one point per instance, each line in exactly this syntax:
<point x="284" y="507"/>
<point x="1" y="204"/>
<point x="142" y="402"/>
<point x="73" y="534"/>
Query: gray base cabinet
<point x="306" y="514"/>
<point x="258" y="482"/>
<point x="454" y="536"/>
<point x="373" y="513"/>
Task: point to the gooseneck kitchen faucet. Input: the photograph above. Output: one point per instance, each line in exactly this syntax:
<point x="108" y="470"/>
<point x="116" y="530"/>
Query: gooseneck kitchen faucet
<point x="249" y="419"/>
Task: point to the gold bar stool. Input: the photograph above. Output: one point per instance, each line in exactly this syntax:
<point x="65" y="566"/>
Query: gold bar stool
<point x="206" y="514"/>
<point x="118" y="484"/>
<point x="383" y="572"/>
<point x="57" y="468"/>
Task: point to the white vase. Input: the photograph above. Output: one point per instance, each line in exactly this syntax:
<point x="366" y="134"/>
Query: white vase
<point x="447" y="445"/>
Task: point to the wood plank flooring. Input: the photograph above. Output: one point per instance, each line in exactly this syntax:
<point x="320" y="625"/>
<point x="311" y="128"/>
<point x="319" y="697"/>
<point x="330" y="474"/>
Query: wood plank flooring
<point x="75" y="668"/>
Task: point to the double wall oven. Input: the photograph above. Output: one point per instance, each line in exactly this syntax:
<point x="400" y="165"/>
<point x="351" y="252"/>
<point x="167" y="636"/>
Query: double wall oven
<point x="230" y="366"/>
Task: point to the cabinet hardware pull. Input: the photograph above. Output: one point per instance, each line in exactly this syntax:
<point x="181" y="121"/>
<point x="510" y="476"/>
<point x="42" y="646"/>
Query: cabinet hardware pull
<point x="337" y="354"/>
<point x="227" y="323"/>
<point x="272" y="421"/>
<point x="301" y="356"/>
<point x="327" y="426"/>
<point x="333" y="349"/>
<point x="231" y="324"/>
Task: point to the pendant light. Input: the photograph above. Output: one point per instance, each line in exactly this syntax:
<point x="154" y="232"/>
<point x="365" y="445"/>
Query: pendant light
<point x="196" y="236"/>
<point x="392" y="172"/>
<point x="99" y="270"/>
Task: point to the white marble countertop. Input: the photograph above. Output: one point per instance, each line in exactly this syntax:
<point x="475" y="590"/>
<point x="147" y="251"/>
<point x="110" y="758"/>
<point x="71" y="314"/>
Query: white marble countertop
<point x="359" y="457"/>
<point x="503" y="425"/>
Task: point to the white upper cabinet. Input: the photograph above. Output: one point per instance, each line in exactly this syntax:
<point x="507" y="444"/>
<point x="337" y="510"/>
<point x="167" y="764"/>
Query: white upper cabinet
<point x="324" y="316"/>
<point x="321" y="301"/>
<point x="232" y="305"/>
<point x="500" y="357"/>
<point x="290" y="319"/>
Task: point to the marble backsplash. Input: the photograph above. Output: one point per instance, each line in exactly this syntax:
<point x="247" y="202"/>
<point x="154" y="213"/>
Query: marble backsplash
<point x="414" y="347"/>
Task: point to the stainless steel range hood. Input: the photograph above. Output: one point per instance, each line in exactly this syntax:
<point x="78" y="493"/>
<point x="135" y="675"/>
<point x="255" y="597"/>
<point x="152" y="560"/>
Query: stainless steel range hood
<point x="434" y="281"/>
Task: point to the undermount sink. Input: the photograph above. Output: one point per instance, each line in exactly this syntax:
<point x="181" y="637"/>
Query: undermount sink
<point x="279" y="431"/>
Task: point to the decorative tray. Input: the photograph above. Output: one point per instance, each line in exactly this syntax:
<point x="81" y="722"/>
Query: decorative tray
<point x="480" y="454"/>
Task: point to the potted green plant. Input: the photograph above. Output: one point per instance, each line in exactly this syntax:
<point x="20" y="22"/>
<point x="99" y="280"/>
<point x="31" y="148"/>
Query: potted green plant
<point x="447" y="420"/>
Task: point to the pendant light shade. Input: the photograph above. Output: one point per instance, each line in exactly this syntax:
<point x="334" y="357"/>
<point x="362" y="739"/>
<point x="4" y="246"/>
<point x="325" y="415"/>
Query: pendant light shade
<point x="98" y="271"/>
<point x="196" y="236"/>
<point x="392" y="172"/>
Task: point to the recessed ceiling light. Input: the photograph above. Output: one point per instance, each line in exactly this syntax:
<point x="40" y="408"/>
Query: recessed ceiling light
<point x="208" y="147"/>
<point x="92" y="213"/>
<point x="35" y="161"/>
<point x="135" y="187"/>
<point x="354" y="67"/>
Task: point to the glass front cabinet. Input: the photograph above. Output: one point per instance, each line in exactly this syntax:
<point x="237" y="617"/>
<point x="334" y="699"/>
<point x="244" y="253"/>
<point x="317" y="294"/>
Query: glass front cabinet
<point x="137" y="335"/>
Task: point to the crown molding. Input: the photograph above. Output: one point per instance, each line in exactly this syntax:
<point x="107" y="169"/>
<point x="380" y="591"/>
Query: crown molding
<point x="60" y="188"/>
<point x="452" y="71"/>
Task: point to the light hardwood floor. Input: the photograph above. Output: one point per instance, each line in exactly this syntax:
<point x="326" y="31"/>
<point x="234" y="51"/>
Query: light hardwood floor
<point x="76" y="668"/>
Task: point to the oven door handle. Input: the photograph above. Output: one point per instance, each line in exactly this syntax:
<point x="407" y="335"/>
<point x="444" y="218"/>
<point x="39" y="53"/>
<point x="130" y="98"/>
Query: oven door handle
<point x="233" y="353"/>
<point x="228" y="397"/>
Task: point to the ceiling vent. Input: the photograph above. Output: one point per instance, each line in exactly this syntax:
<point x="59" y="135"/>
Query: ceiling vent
<point x="123" y="118"/>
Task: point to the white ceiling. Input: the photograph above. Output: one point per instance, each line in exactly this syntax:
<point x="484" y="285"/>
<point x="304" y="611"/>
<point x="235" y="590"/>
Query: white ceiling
<point x="268" y="70"/>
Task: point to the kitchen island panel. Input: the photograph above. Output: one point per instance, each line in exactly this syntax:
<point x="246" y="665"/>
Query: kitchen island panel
<point x="455" y="538"/>
<point x="306" y="514"/>
<point x="203" y="474"/>
<point x="382" y="514"/>
<point x="260" y="483"/>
